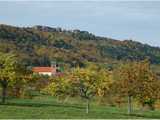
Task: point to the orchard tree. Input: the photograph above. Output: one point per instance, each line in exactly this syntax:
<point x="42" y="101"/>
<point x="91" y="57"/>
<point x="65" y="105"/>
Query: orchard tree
<point x="126" y="83"/>
<point x="88" y="83"/>
<point x="148" y="85"/>
<point x="11" y="71"/>
<point x="137" y="80"/>
<point x="59" y="86"/>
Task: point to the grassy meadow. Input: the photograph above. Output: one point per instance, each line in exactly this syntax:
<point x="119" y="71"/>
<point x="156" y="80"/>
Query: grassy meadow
<point x="47" y="107"/>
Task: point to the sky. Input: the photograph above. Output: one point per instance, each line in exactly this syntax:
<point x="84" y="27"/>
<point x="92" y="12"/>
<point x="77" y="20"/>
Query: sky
<point x="120" y="20"/>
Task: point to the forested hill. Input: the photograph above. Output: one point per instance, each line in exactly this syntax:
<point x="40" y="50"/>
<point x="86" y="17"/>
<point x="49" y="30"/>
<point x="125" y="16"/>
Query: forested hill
<point x="39" y="45"/>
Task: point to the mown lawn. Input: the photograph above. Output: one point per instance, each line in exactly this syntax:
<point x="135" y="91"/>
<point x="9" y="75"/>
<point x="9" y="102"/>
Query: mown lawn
<point x="47" y="107"/>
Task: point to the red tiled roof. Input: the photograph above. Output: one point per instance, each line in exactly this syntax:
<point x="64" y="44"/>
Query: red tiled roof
<point x="44" y="69"/>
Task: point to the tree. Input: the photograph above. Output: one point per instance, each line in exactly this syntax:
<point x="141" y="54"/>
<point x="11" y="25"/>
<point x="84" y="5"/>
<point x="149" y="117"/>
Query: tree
<point x="11" y="70"/>
<point x="148" y="85"/>
<point x="126" y="83"/>
<point x="82" y="82"/>
<point x="137" y="80"/>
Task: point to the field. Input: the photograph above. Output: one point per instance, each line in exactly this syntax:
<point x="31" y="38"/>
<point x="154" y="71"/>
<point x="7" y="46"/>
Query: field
<point x="47" y="107"/>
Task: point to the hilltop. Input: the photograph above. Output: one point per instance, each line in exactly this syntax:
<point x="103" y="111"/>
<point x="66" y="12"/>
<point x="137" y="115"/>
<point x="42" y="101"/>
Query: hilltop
<point x="38" y="45"/>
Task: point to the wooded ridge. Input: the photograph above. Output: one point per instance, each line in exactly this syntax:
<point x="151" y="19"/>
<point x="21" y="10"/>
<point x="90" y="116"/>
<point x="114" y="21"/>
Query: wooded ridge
<point x="38" y="45"/>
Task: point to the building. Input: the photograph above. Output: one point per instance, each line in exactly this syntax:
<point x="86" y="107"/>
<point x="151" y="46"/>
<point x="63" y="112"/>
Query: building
<point x="45" y="70"/>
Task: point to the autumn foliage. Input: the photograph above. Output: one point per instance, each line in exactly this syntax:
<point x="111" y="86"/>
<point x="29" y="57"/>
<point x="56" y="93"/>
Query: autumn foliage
<point x="127" y="83"/>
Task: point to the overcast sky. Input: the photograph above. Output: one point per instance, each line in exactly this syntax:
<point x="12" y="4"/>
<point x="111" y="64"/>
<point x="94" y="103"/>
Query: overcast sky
<point x="139" y="21"/>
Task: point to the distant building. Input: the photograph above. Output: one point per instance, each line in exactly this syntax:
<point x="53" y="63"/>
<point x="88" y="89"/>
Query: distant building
<point x="45" y="70"/>
<point x="54" y="70"/>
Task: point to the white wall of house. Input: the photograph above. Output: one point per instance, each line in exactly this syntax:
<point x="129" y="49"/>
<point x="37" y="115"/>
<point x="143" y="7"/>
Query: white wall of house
<point x="45" y="73"/>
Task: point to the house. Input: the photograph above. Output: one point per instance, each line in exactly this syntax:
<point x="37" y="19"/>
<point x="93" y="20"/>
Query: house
<point x="45" y="70"/>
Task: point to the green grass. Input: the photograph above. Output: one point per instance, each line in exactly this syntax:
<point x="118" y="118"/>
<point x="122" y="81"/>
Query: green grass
<point x="47" y="107"/>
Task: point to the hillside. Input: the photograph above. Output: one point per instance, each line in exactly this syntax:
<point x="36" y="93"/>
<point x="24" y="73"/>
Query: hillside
<point x="39" y="45"/>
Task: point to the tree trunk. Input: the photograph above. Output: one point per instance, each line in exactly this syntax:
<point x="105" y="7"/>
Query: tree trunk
<point x="3" y="94"/>
<point x="151" y="106"/>
<point x="142" y="107"/>
<point x="4" y="90"/>
<point x="87" y="106"/>
<point x="129" y="105"/>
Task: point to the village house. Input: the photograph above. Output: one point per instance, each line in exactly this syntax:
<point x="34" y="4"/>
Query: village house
<point x="45" y="70"/>
<point x="53" y="70"/>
